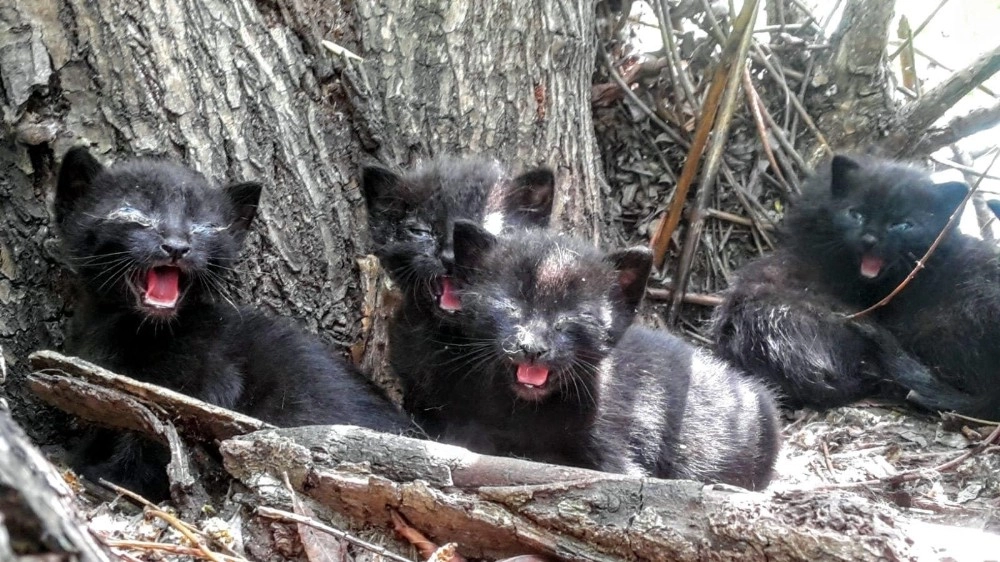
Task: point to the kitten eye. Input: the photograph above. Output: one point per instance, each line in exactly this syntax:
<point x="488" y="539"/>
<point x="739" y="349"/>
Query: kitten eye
<point x="206" y="228"/>
<point x="901" y="226"/>
<point x="418" y="231"/>
<point x="855" y="214"/>
<point x="130" y="216"/>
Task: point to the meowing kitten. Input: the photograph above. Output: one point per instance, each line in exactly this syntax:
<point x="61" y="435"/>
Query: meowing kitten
<point x="542" y="362"/>
<point x="410" y="217"/>
<point x="152" y="244"/>
<point x="949" y="316"/>
<point x="851" y="238"/>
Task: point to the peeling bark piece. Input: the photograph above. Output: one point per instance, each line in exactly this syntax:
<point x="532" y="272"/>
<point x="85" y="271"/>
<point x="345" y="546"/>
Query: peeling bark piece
<point x="58" y="378"/>
<point x="113" y="408"/>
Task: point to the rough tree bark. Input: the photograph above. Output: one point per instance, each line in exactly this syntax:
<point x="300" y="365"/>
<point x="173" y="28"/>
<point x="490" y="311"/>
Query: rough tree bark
<point x="241" y="89"/>
<point x="853" y="102"/>
<point x="37" y="515"/>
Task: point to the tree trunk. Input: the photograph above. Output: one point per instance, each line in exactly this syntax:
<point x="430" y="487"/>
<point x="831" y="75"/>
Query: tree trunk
<point x="852" y="100"/>
<point x="244" y="90"/>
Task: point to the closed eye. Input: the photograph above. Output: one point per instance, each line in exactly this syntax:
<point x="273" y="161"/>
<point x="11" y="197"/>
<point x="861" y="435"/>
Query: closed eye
<point x="419" y="231"/>
<point x="901" y="226"/>
<point x="130" y="215"/>
<point x="206" y="228"/>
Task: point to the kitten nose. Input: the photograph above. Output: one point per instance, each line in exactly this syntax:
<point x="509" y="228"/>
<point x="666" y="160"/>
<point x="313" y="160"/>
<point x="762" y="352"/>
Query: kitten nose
<point x="868" y="241"/>
<point x="447" y="256"/>
<point x="530" y="350"/>
<point x="175" y="249"/>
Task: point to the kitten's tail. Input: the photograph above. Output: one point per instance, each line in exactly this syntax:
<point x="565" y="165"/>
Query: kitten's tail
<point x="926" y="389"/>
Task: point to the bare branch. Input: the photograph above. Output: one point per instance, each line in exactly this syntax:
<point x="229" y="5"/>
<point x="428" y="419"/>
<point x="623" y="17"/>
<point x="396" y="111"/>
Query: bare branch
<point x="958" y="128"/>
<point x="918" y="115"/>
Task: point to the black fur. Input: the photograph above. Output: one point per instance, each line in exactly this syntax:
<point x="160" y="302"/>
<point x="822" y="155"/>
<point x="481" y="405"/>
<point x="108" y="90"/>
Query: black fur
<point x="116" y="225"/>
<point x="853" y="236"/>
<point x="949" y="316"/>
<point x="411" y="216"/>
<point x="614" y="397"/>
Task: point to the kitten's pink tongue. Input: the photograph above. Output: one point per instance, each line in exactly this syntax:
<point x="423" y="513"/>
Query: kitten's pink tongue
<point x="871" y="266"/>
<point x="162" y="286"/>
<point x="535" y="375"/>
<point x="449" y="301"/>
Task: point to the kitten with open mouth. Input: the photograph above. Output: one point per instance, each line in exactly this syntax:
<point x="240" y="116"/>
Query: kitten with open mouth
<point x="854" y="234"/>
<point x="544" y="363"/>
<point x="411" y="216"/>
<point x="154" y="245"/>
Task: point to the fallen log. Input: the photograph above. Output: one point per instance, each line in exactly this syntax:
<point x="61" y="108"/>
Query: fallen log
<point x="496" y="507"/>
<point x="37" y="515"/>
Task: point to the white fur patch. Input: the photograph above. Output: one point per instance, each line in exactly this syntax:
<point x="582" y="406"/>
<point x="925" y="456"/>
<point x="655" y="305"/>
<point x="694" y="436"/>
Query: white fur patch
<point x="493" y="223"/>
<point x="554" y="268"/>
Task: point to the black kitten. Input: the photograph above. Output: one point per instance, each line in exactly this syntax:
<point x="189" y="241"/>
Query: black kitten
<point x="949" y="316"/>
<point x="152" y="244"/>
<point x="411" y="218"/>
<point x="542" y="362"/>
<point x="856" y="232"/>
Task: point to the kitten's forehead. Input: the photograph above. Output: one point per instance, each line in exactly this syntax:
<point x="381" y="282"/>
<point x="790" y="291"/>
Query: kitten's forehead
<point x="557" y="269"/>
<point x="157" y="187"/>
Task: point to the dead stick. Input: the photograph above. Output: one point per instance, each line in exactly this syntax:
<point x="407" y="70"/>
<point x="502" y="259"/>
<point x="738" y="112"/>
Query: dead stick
<point x="171" y="548"/>
<point x="693" y="298"/>
<point x="287" y="516"/>
<point x="743" y="34"/>
<point x="753" y="101"/>
<point x="937" y="241"/>
<point x="182" y="527"/>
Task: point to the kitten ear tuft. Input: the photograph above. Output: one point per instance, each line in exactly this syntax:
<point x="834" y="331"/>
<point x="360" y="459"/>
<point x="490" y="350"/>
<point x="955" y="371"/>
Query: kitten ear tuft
<point x="76" y="175"/>
<point x="951" y="194"/>
<point x="245" y="198"/>
<point x="841" y="168"/>
<point x="471" y="242"/>
<point x="633" y="266"/>
<point x="994" y="205"/>
<point x="530" y="197"/>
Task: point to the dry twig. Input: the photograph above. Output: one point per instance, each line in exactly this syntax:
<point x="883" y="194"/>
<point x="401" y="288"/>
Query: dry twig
<point x="289" y="517"/>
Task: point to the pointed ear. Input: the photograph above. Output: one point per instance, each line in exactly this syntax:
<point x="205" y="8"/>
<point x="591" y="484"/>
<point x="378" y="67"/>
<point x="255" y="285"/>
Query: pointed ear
<point x="633" y="266"/>
<point x="529" y="199"/>
<point x="381" y="188"/>
<point x="76" y="175"/>
<point x="471" y="243"/>
<point x="994" y="205"/>
<point x="950" y="195"/>
<point x="245" y="198"/>
<point x="841" y="169"/>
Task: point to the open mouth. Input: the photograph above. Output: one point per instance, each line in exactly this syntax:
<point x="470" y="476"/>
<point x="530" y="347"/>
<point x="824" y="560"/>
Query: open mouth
<point x="532" y="381"/>
<point x="447" y="299"/>
<point x="159" y="289"/>
<point x="871" y="266"/>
